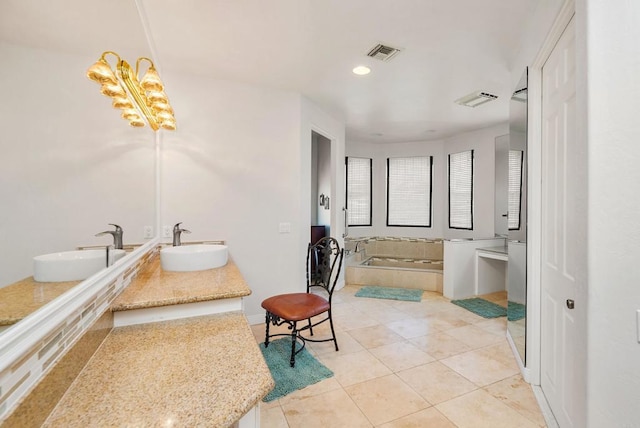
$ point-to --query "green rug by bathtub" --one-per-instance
(288, 379)
(484, 308)
(516, 311)
(390, 293)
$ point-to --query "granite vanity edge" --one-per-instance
(232, 286)
(176, 301)
(254, 391)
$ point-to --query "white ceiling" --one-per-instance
(449, 49)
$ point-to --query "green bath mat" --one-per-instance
(516, 311)
(307, 371)
(390, 293)
(484, 308)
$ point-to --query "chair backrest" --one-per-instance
(324, 261)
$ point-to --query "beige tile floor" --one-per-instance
(409, 364)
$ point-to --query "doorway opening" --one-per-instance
(322, 200)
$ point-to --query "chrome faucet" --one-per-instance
(117, 236)
(358, 246)
(176, 234)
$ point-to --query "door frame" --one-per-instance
(532, 372)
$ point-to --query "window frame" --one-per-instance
(346, 163)
(430, 218)
(471, 211)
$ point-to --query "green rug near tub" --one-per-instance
(390, 293)
(307, 371)
(484, 308)
(515, 311)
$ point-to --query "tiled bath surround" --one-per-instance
(396, 262)
(386, 246)
(28, 384)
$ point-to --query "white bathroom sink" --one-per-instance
(72, 265)
(189, 258)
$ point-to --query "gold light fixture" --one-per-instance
(136, 98)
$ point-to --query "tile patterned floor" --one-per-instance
(408, 364)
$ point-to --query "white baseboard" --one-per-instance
(255, 319)
(544, 407)
(172, 312)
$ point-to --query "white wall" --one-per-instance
(232, 171)
(613, 134)
(70, 164)
(238, 166)
(481, 141)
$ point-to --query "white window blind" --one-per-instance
(515, 188)
(409, 191)
(358, 191)
(461, 190)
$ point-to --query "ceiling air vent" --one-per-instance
(475, 99)
(383, 53)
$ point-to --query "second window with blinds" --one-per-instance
(409, 190)
(461, 190)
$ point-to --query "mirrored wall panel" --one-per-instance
(71, 165)
(517, 217)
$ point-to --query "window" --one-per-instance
(409, 191)
(461, 190)
(515, 188)
(358, 191)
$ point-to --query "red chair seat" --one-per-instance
(296, 306)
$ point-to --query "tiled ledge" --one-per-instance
(202, 371)
(398, 247)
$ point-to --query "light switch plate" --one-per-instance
(284, 228)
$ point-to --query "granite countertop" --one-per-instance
(201, 371)
(154, 287)
(26, 296)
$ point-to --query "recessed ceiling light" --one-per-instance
(361, 70)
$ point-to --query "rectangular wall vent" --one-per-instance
(475, 99)
(383, 53)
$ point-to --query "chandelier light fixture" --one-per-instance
(137, 98)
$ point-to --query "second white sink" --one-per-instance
(190, 258)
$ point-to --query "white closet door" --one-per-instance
(564, 255)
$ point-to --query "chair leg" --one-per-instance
(266, 334)
(310, 328)
(294, 335)
(335, 340)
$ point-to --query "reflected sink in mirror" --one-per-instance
(190, 258)
(72, 265)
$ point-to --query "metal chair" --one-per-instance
(324, 261)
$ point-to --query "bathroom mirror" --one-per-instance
(517, 218)
(70, 165)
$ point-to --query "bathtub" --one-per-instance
(423, 274)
